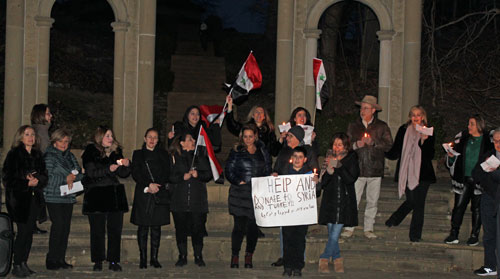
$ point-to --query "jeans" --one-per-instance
(332, 248)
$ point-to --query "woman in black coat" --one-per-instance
(189, 201)
(471, 144)
(150, 211)
(259, 117)
(191, 123)
(248, 159)
(24, 177)
(414, 171)
(338, 205)
(105, 201)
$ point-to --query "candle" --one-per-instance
(290, 160)
(314, 171)
(366, 135)
(119, 162)
(450, 144)
(284, 123)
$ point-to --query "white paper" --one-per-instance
(308, 130)
(490, 164)
(449, 149)
(285, 127)
(425, 130)
(285, 200)
(77, 187)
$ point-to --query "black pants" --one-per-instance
(113, 222)
(488, 215)
(461, 202)
(190, 223)
(294, 245)
(24, 237)
(244, 226)
(415, 201)
(60, 216)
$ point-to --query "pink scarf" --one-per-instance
(411, 156)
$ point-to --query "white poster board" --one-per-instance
(285, 200)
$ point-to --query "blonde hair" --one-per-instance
(60, 134)
(267, 119)
(422, 110)
(18, 136)
(99, 135)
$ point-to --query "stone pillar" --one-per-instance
(14, 51)
(44, 24)
(119, 79)
(284, 60)
(145, 96)
(312, 36)
(411, 59)
(384, 73)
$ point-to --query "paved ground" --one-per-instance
(222, 270)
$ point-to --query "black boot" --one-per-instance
(198, 260)
(476, 226)
(19, 271)
(25, 266)
(248, 260)
(142, 240)
(155, 246)
(182, 261)
(235, 261)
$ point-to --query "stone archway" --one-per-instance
(399, 58)
(27, 52)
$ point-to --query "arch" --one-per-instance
(378, 8)
(118, 6)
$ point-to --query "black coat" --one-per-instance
(283, 160)
(158, 161)
(489, 181)
(266, 135)
(190, 195)
(103, 192)
(18, 195)
(338, 205)
(426, 169)
(242, 166)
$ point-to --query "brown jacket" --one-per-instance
(371, 158)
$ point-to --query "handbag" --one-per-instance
(162, 197)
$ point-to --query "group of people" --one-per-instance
(173, 180)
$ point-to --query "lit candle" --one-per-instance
(314, 171)
(450, 144)
(366, 135)
(119, 162)
(284, 123)
(290, 160)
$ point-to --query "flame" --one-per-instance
(290, 160)
(284, 123)
(314, 171)
(366, 135)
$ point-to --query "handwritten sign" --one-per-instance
(285, 200)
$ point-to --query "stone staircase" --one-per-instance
(391, 251)
(198, 81)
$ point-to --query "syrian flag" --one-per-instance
(210, 113)
(248, 78)
(203, 140)
(319, 79)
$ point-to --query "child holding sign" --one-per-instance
(294, 237)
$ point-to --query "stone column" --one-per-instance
(284, 60)
(312, 36)
(411, 59)
(44, 24)
(384, 73)
(119, 78)
(147, 36)
(14, 51)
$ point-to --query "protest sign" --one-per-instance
(285, 200)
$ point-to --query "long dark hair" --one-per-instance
(249, 126)
(345, 140)
(294, 113)
(146, 134)
(185, 118)
(175, 146)
(38, 114)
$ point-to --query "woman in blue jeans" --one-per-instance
(338, 206)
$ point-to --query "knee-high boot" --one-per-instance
(142, 240)
(155, 246)
(476, 222)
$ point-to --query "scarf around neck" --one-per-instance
(411, 157)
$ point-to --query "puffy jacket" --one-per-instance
(103, 192)
(338, 205)
(371, 158)
(190, 195)
(18, 195)
(59, 165)
(242, 166)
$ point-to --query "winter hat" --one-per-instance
(298, 132)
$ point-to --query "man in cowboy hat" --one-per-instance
(371, 138)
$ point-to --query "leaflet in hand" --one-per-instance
(77, 187)
(284, 127)
(490, 164)
(447, 147)
(308, 130)
(425, 130)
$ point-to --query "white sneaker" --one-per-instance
(347, 233)
(485, 271)
(370, 235)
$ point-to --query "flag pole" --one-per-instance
(196, 147)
